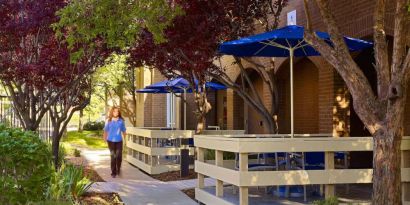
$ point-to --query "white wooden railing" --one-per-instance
(224, 173)
(156, 150)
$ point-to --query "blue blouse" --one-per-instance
(114, 129)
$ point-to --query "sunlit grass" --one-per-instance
(86, 139)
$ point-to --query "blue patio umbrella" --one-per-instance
(161, 90)
(181, 83)
(147, 90)
(178, 85)
(287, 41)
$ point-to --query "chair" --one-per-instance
(316, 161)
(262, 166)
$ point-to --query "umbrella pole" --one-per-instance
(291, 94)
(184, 108)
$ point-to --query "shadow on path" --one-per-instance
(136, 187)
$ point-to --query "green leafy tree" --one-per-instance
(117, 22)
(117, 81)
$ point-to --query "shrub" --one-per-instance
(68, 184)
(93, 126)
(77, 153)
(329, 201)
(25, 163)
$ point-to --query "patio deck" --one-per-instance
(246, 180)
(157, 150)
(356, 194)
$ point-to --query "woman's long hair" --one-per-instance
(111, 113)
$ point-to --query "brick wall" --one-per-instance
(333, 102)
(354, 17)
(155, 106)
(255, 122)
(306, 107)
(191, 108)
(235, 111)
(325, 94)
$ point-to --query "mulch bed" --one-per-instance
(92, 174)
(174, 176)
(92, 198)
(89, 172)
(190, 193)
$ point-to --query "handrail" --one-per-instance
(270, 135)
(243, 178)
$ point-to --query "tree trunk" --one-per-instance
(386, 168)
(201, 123)
(271, 125)
(55, 144)
(80, 121)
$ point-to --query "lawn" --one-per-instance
(88, 139)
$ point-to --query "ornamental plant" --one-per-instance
(25, 166)
(68, 183)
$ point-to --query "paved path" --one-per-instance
(136, 187)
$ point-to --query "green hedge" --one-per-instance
(93, 126)
(25, 164)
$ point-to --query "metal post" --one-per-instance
(184, 108)
(172, 111)
(291, 93)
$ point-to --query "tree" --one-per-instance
(188, 51)
(72, 83)
(24, 28)
(382, 112)
(118, 78)
(117, 22)
(192, 42)
(37, 70)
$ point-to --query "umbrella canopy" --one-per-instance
(287, 41)
(159, 90)
(180, 83)
(277, 43)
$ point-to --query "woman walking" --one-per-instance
(114, 132)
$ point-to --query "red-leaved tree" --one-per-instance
(37, 70)
(192, 42)
(24, 28)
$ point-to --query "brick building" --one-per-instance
(322, 101)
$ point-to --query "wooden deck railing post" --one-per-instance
(329, 164)
(243, 191)
(201, 158)
(219, 183)
(405, 163)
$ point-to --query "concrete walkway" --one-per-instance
(136, 187)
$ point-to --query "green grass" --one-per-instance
(88, 139)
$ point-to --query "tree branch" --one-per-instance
(399, 41)
(248, 80)
(370, 110)
(380, 50)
